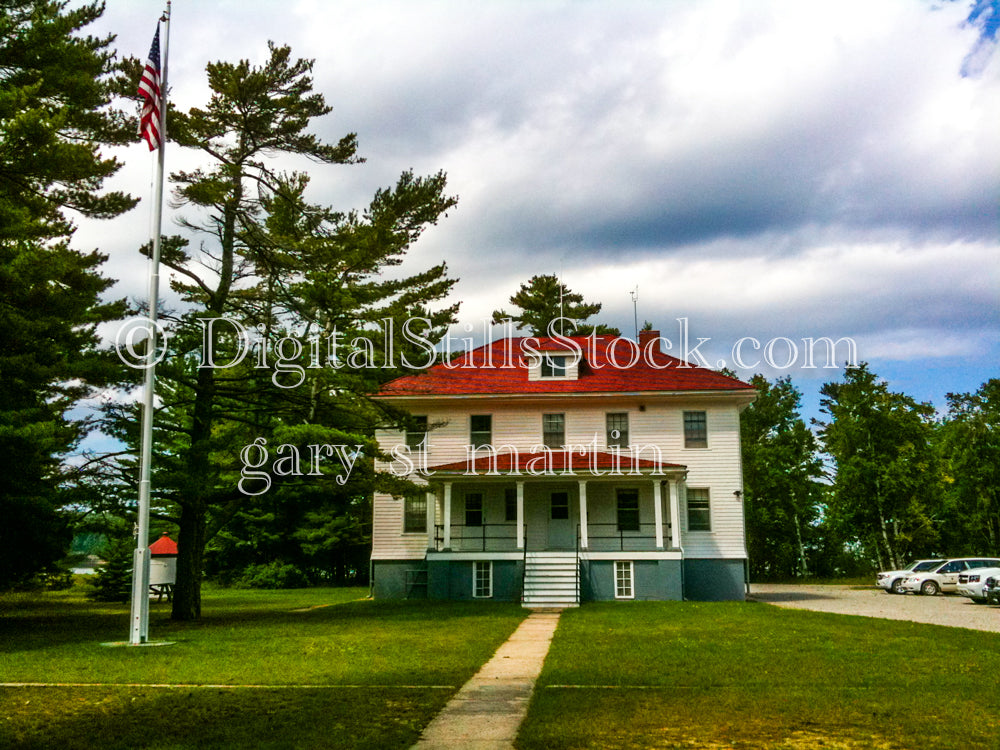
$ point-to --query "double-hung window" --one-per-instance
(474, 509)
(695, 429)
(699, 510)
(416, 435)
(559, 508)
(617, 429)
(481, 430)
(414, 514)
(554, 430)
(628, 510)
(510, 504)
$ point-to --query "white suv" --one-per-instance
(945, 576)
(972, 583)
(890, 580)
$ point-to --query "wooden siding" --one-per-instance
(656, 430)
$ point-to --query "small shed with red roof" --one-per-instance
(163, 561)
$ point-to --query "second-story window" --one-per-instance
(617, 429)
(481, 430)
(695, 429)
(553, 366)
(416, 434)
(554, 430)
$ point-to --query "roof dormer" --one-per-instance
(554, 365)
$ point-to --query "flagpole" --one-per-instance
(140, 570)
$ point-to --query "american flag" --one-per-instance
(149, 90)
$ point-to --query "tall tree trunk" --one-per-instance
(802, 549)
(190, 553)
(194, 512)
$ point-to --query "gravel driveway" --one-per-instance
(954, 611)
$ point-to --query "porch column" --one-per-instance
(583, 514)
(520, 515)
(658, 512)
(675, 516)
(447, 515)
(431, 531)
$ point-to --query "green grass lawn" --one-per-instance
(697, 675)
(619, 675)
(359, 656)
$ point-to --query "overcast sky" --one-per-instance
(764, 169)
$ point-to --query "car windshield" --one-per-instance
(926, 565)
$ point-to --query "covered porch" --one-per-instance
(556, 501)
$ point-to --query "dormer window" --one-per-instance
(553, 366)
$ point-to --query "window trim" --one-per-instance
(691, 437)
(707, 508)
(421, 444)
(618, 509)
(553, 366)
(412, 515)
(481, 510)
(560, 433)
(488, 567)
(623, 566)
(510, 502)
(622, 441)
(476, 444)
(552, 506)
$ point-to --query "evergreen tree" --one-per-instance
(55, 114)
(542, 300)
(287, 272)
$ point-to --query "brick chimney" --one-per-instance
(645, 337)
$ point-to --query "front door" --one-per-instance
(562, 534)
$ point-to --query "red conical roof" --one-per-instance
(163, 546)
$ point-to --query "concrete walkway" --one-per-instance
(486, 713)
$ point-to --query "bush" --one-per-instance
(113, 582)
(272, 575)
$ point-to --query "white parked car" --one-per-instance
(944, 578)
(890, 580)
(972, 583)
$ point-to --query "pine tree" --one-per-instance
(543, 300)
(55, 114)
(286, 271)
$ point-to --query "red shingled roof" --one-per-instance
(501, 367)
(560, 461)
(163, 546)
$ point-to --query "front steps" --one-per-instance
(551, 580)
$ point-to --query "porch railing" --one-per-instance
(492, 537)
(611, 537)
(502, 537)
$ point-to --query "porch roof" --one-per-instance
(561, 462)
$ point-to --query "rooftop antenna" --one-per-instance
(561, 321)
(634, 294)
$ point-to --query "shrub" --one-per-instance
(113, 582)
(272, 575)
